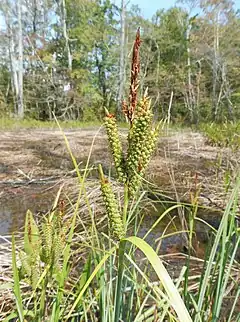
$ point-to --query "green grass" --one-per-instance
(222, 135)
(207, 302)
(16, 124)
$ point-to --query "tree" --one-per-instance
(19, 91)
(70, 58)
(122, 63)
(216, 43)
(167, 67)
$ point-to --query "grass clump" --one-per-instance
(16, 124)
(223, 135)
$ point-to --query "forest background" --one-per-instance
(71, 58)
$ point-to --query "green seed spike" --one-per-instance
(35, 273)
(112, 209)
(25, 265)
(115, 145)
(57, 249)
(58, 220)
(148, 147)
(134, 184)
(47, 232)
(142, 141)
(138, 142)
(141, 126)
(31, 234)
(66, 227)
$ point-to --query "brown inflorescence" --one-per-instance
(135, 70)
(142, 140)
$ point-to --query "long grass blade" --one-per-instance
(16, 287)
(174, 297)
(214, 250)
(94, 273)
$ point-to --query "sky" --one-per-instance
(149, 7)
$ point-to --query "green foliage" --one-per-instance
(207, 303)
(223, 135)
(15, 124)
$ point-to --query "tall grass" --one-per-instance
(223, 135)
(220, 266)
(28, 123)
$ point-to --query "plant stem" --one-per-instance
(100, 170)
(125, 207)
(43, 299)
(118, 293)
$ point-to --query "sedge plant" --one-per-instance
(45, 262)
(130, 169)
(42, 269)
(44, 266)
(41, 263)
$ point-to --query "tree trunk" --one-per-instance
(20, 107)
(227, 93)
(215, 103)
(122, 59)
(191, 92)
(13, 66)
(65, 34)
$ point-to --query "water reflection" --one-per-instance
(15, 203)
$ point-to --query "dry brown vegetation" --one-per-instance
(182, 165)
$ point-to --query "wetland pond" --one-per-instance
(34, 163)
(165, 235)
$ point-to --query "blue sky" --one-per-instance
(149, 7)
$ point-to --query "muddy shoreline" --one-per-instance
(34, 163)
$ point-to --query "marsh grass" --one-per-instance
(219, 278)
(28, 123)
(85, 290)
(223, 135)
